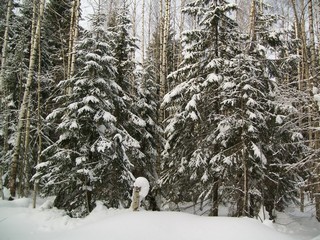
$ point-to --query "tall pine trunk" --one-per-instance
(24, 105)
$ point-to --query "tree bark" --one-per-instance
(3, 93)
(74, 21)
(71, 34)
(181, 29)
(39, 125)
(5, 47)
(142, 32)
(245, 210)
(1, 183)
(24, 105)
(311, 82)
(215, 198)
(24, 178)
(163, 66)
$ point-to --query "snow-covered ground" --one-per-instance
(19, 221)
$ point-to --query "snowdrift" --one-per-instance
(18, 221)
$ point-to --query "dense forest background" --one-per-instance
(214, 102)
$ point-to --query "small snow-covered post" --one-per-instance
(135, 198)
(140, 191)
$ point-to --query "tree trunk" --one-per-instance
(252, 29)
(71, 41)
(245, 209)
(181, 29)
(39, 125)
(311, 82)
(23, 108)
(312, 45)
(74, 37)
(5, 47)
(215, 198)
(1, 183)
(25, 170)
(143, 33)
(3, 92)
(74, 20)
(163, 66)
(302, 199)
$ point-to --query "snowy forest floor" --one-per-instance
(19, 221)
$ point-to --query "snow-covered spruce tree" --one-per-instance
(136, 111)
(151, 140)
(230, 135)
(89, 160)
(55, 38)
(286, 145)
(191, 172)
(260, 130)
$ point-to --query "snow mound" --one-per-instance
(18, 221)
(143, 183)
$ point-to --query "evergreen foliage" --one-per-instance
(221, 135)
(92, 143)
(240, 125)
(56, 28)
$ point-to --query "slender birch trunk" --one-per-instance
(24, 105)
(1, 183)
(39, 126)
(5, 47)
(181, 29)
(163, 66)
(24, 181)
(149, 22)
(305, 65)
(3, 94)
(24, 176)
(312, 45)
(161, 24)
(252, 30)
(312, 81)
(298, 34)
(73, 34)
(74, 37)
(134, 24)
(306, 74)
(143, 34)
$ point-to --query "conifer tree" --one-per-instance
(224, 132)
(55, 38)
(139, 114)
(195, 106)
